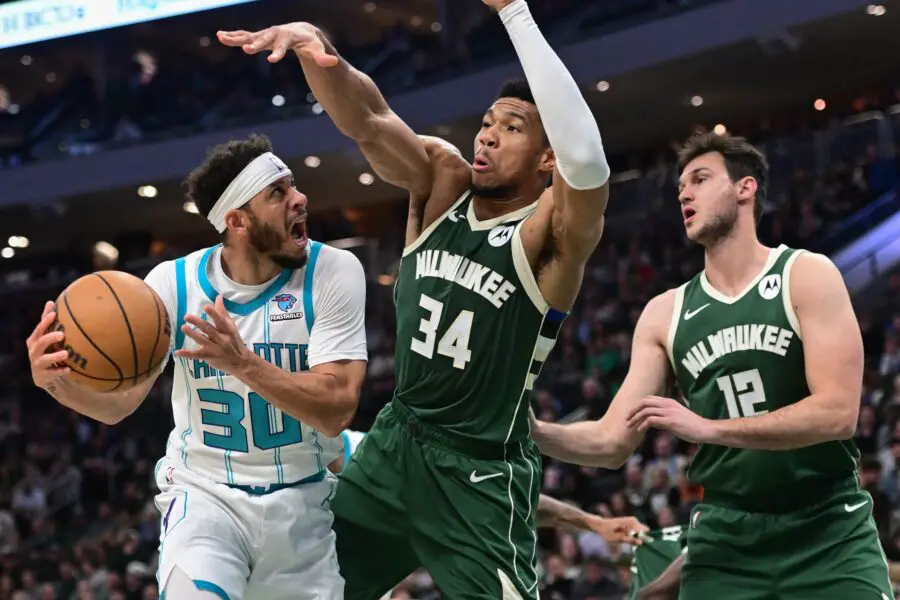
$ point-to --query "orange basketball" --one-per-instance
(117, 330)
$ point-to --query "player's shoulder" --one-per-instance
(336, 262)
(807, 271)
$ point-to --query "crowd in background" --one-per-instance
(77, 519)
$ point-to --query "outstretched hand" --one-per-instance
(302, 38)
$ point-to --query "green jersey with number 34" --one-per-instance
(743, 356)
(472, 328)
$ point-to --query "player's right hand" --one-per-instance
(302, 38)
(45, 368)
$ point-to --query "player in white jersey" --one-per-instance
(270, 353)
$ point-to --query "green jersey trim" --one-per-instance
(476, 225)
(525, 273)
(430, 229)
(725, 299)
(789, 311)
(673, 324)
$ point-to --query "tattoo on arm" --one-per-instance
(553, 513)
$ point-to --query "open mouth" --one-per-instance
(480, 164)
(688, 213)
(298, 233)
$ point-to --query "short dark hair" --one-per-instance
(223, 163)
(742, 159)
(516, 88)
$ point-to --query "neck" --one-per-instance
(732, 262)
(247, 268)
(487, 208)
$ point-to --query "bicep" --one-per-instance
(347, 374)
(579, 214)
(832, 341)
(396, 154)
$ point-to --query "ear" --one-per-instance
(547, 160)
(237, 219)
(746, 189)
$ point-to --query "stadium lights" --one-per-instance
(436, 27)
(819, 104)
(720, 129)
(697, 101)
(50, 77)
(107, 250)
(278, 100)
(147, 191)
(204, 41)
(369, 7)
(7, 252)
(416, 21)
(312, 161)
(190, 207)
(875, 10)
(13, 109)
(26, 59)
(366, 179)
(602, 86)
(18, 241)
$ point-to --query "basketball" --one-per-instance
(116, 331)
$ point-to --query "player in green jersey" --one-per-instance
(768, 354)
(449, 477)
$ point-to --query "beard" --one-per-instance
(490, 191)
(719, 227)
(268, 241)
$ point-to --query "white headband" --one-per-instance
(254, 178)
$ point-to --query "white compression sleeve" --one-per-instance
(570, 126)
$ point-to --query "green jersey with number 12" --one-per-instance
(472, 328)
(743, 356)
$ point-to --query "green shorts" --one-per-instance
(829, 551)
(412, 497)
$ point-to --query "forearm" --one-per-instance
(109, 408)
(349, 96)
(568, 121)
(553, 513)
(585, 443)
(811, 421)
(316, 399)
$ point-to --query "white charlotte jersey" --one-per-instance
(226, 432)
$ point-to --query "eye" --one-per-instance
(513, 128)
(485, 124)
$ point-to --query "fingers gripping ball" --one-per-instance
(116, 331)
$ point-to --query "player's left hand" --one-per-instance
(671, 415)
(219, 343)
(498, 5)
(618, 530)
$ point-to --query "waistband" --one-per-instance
(433, 435)
(785, 501)
(262, 490)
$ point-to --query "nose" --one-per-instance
(487, 137)
(685, 195)
(298, 200)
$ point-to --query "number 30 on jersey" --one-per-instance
(453, 343)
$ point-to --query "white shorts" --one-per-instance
(214, 533)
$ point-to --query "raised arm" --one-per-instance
(351, 99)
(833, 350)
(609, 442)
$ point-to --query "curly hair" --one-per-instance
(223, 163)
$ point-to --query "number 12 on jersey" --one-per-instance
(454, 342)
(744, 394)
